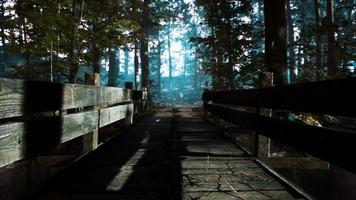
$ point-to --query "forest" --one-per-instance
(174, 48)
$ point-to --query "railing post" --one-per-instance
(129, 119)
(263, 146)
(90, 140)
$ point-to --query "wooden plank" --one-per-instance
(327, 97)
(22, 139)
(75, 96)
(113, 95)
(11, 143)
(11, 98)
(113, 114)
(78, 124)
(19, 97)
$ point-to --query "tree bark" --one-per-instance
(170, 65)
(275, 41)
(332, 69)
(318, 40)
(230, 69)
(126, 63)
(159, 67)
(144, 52)
(3, 40)
(114, 67)
(136, 65)
(73, 53)
(292, 74)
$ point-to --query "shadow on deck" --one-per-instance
(174, 154)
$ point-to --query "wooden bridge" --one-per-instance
(63, 141)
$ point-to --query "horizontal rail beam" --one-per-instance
(332, 145)
(19, 98)
(324, 97)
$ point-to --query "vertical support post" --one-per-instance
(144, 98)
(129, 119)
(90, 140)
(264, 143)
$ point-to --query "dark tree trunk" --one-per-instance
(3, 40)
(144, 44)
(304, 42)
(73, 53)
(136, 65)
(230, 69)
(170, 65)
(292, 75)
(159, 67)
(332, 69)
(27, 51)
(275, 41)
(114, 67)
(126, 63)
(96, 58)
(318, 40)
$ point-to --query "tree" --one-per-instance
(144, 52)
(318, 68)
(332, 69)
(275, 30)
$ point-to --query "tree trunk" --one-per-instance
(27, 51)
(306, 70)
(114, 67)
(159, 67)
(170, 65)
(230, 69)
(275, 41)
(73, 53)
(136, 65)
(144, 52)
(3, 40)
(332, 69)
(126, 63)
(318, 40)
(96, 56)
(292, 74)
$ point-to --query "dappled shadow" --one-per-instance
(134, 165)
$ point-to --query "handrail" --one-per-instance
(326, 97)
(38, 116)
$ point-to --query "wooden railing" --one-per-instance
(246, 109)
(35, 117)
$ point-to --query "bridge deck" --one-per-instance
(174, 154)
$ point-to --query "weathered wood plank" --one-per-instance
(11, 98)
(11, 143)
(78, 124)
(113, 114)
(112, 95)
(19, 140)
(75, 96)
(19, 97)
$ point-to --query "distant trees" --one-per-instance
(223, 49)
(309, 45)
(67, 33)
(225, 39)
